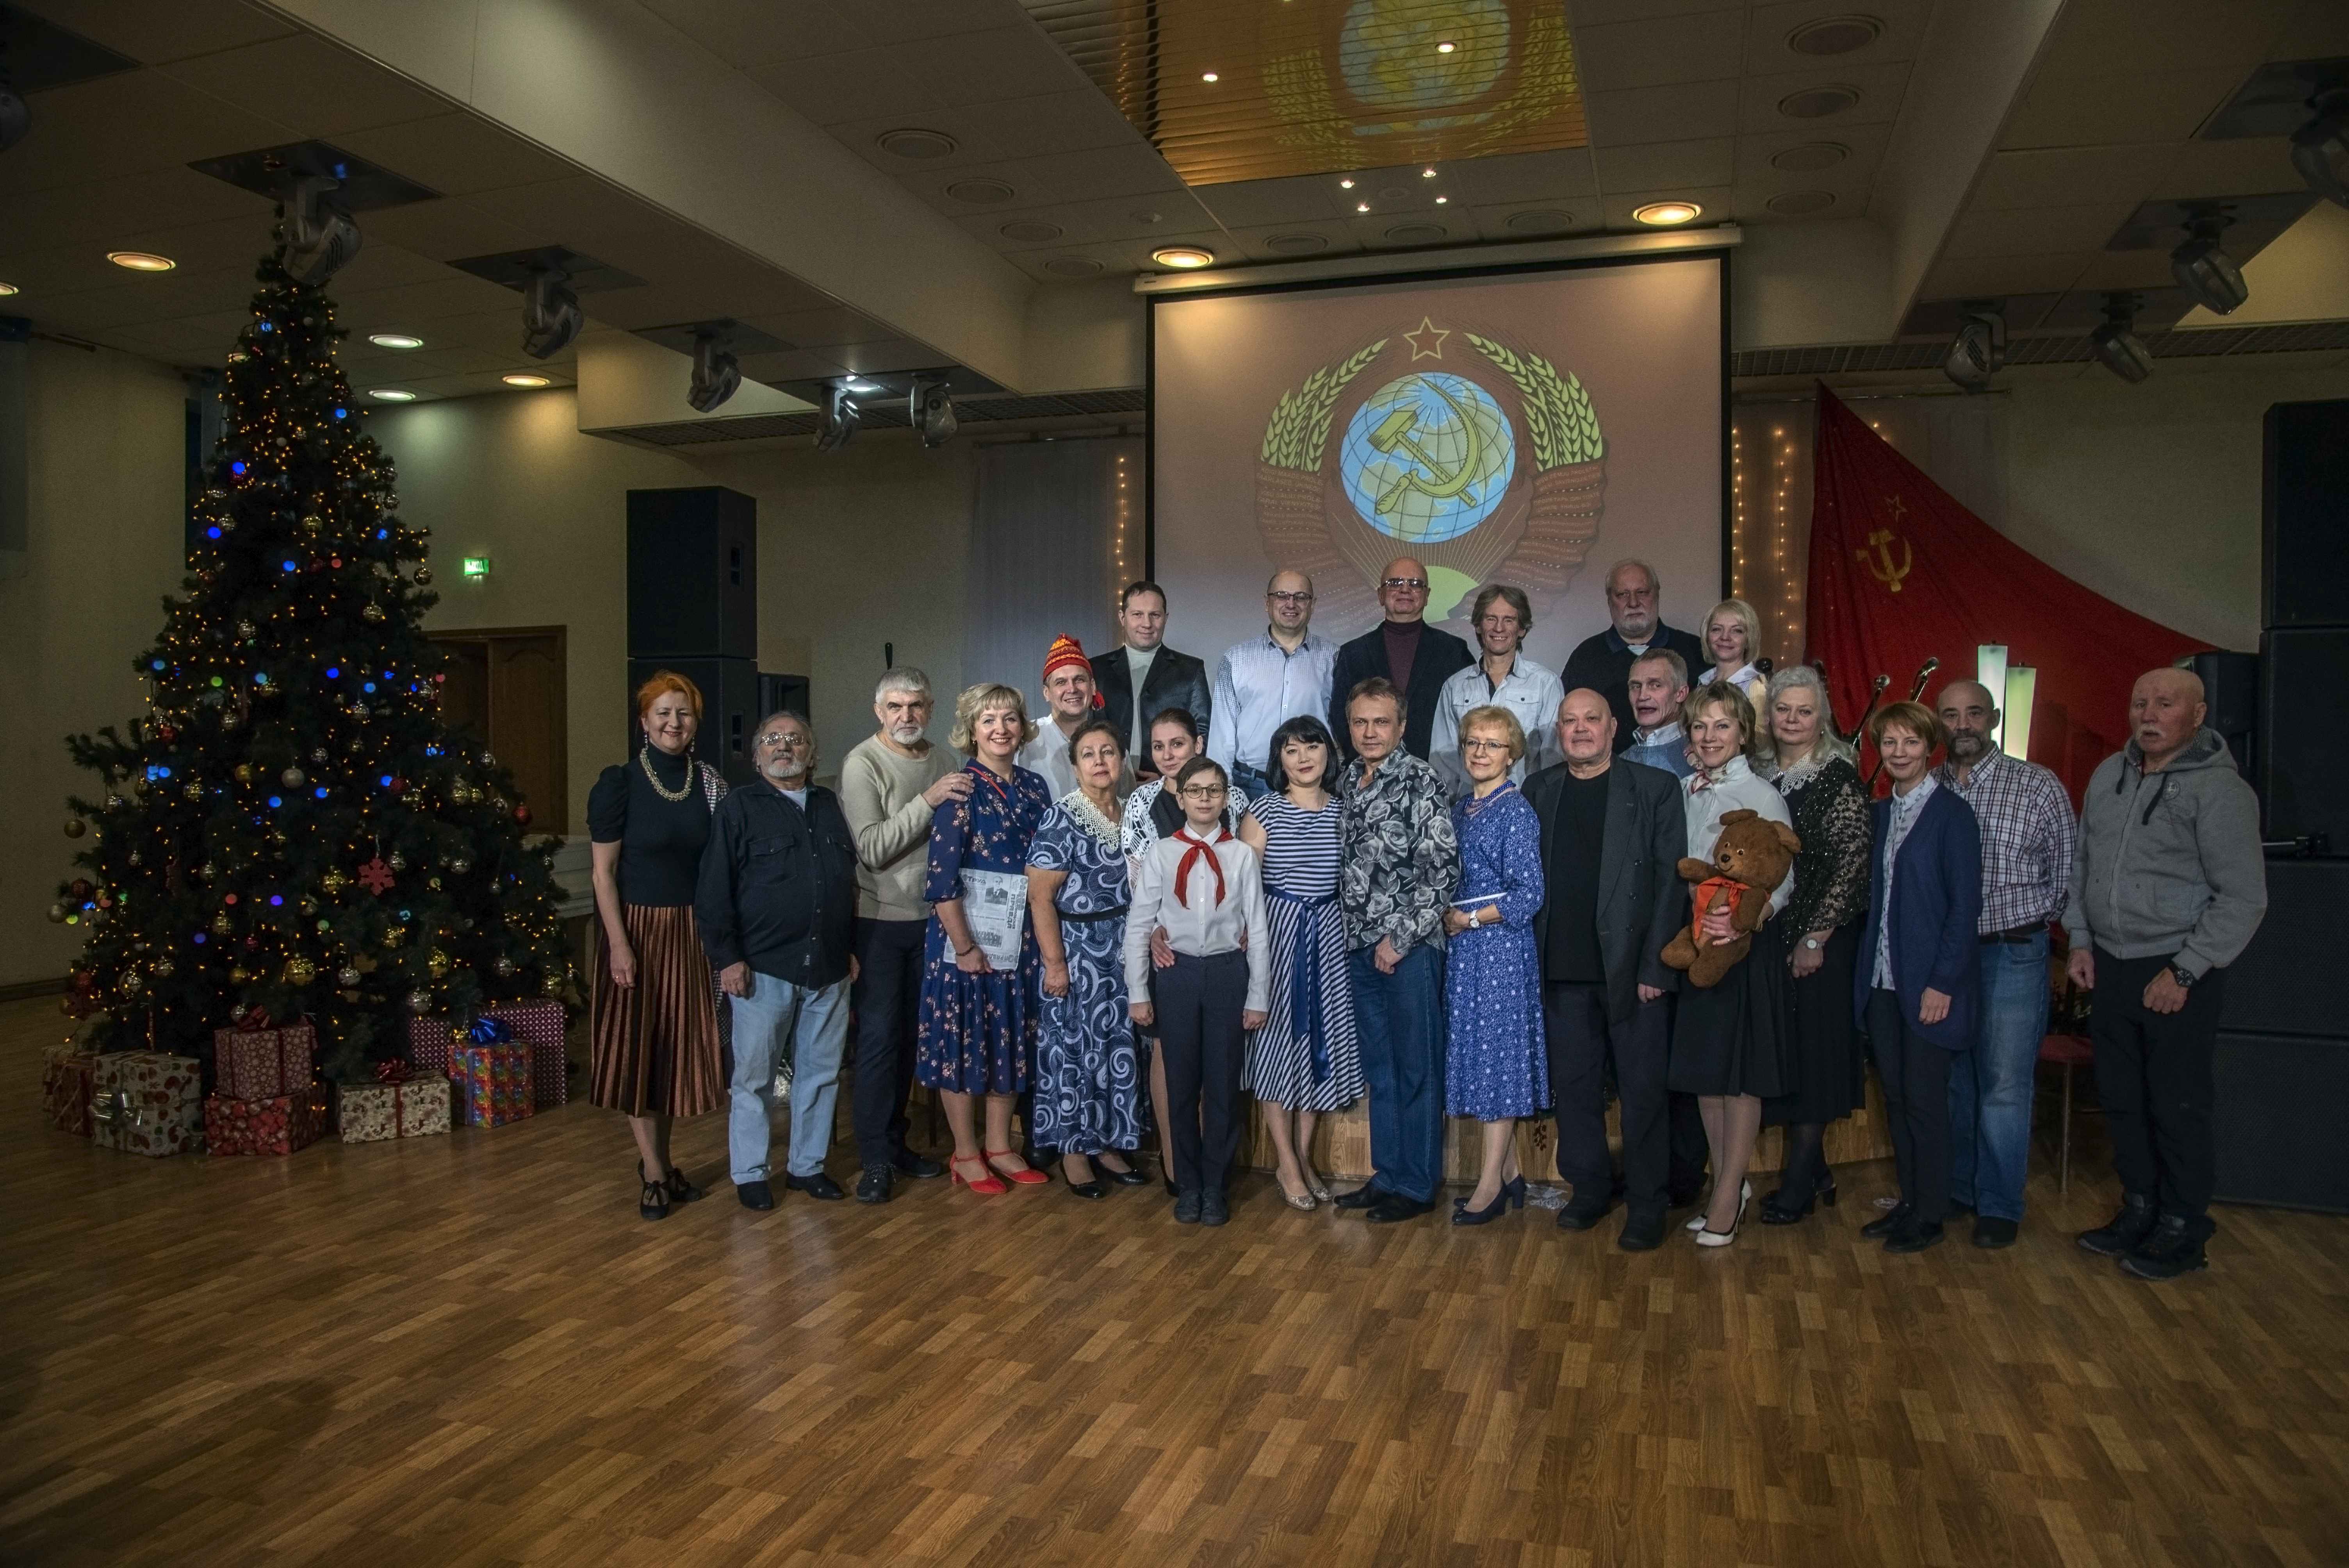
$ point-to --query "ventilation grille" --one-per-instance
(2203, 344)
(890, 415)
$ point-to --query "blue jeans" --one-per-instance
(1991, 1087)
(1250, 779)
(811, 1023)
(1399, 1020)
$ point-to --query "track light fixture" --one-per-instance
(717, 375)
(839, 422)
(2320, 149)
(1979, 351)
(550, 314)
(2116, 345)
(320, 238)
(933, 412)
(2204, 270)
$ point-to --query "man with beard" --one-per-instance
(1635, 601)
(2027, 834)
(890, 787)
(776, 908)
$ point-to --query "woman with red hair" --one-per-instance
(653, 1011)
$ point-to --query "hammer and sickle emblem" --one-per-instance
(1877, 558)
(1393, 434)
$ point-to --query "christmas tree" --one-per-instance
(290, 827)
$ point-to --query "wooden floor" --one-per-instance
(469, 1350)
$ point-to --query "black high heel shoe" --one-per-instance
(1826, 1192)
(1512, 1195)
(1129, 1177)
(681, 1191)
(1774, 1212)
(652, 1202)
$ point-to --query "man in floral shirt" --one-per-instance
(1402, 863)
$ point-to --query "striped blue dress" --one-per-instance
(1306, 1057)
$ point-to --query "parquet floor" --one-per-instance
(469, 1350)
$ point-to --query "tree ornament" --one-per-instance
(300, 971)
(333, 881)
(358, 710)
(310, 524)
(318, 754)
(242, 773)
(134, 858)
(393, 935)
(522, 816)
(419, 1002)
(294, 778)
(348, 978)
(432, 882)
(56, 914)
(553, 984)
(222, 924)
(192, 790)
(245, 628)
(436, 962)
(206, 872)
(76, 827)
(163, 967)
(460, 864)
(423, 576)
(78, 887)
(239, 975)
(399, 862)
(488, 759)
(374, 612)
(504, 966)
(131, 984)
(114, 802)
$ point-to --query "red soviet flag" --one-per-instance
(1902, 573)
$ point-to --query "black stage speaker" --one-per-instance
(693, 574)
(785, 694)
(2230, 685)
(2277, 984)
(2304, 740)
(730, 707)
(2276, 1123)
(2306, 515)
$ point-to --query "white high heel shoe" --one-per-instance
(1745, 1192)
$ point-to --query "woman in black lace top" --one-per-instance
(1823, 795)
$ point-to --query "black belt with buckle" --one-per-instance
(1067, 918)
(2013, 937)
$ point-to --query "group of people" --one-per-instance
(1440, 876)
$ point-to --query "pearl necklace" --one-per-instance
(645, 760)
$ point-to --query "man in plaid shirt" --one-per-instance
(2027, 836)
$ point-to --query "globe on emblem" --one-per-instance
(1427, 458)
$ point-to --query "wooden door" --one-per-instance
(506, 687)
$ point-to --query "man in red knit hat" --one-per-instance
(1070, 698)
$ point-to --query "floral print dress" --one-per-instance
(977, 1032)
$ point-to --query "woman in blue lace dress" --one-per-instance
(1086, 1101)
(1498, 1067)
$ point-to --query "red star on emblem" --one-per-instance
(1427, 343)
(376, 874)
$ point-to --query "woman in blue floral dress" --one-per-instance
(1496, 1068)
(978, 1025)
(1087, 1098)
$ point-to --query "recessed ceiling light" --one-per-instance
(395, 340)
(1427, 174)
(981, 192)
(1835, 34)
(1801, 203)
(1345, 184)
(1361, 206)
(1185, 257)
(523, 378)
(7, 289)
(915, 143)
(1440, 201)
(1207, 76)
(390, 395)
(1445, 48)
(1030, 231)
(1810, 157)
(1817, 103)
(141, 260)
(1666, 212)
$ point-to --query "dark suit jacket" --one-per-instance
(1936, 900)
(1604, 664)
(1641, 900)
(1176, 680)
(1440, 654)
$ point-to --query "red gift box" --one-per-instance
(65, 1085)
(145, 1102)
(278, 1125)
(260, 1060)
(491, 1084)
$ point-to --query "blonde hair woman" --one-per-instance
(1733, 641)
(979, 1018)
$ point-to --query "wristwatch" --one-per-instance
(1812, 943)
(2185, 981)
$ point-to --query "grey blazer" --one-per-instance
(1641, 900)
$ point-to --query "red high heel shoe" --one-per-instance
(1026, 1176)
(988, 1185)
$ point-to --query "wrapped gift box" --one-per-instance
(491, 1084)
(278, 1125)
(539, 1026)
(65, 1083)
(260, 1060)
(431, 1042)
(414, 1107)
(144, 1102)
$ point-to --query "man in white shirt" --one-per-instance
(1266, 681)
(1144, 678)
(1501, 678)
(1069, 699)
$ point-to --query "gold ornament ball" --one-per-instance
(348, 978)
(504, 966)
(334, 881)
(238, 976)
(419, 1002)
(432, 882)
(192, 790)
(300, 971)
(131, 984)
(76, 827)
(311, 523)
(375, 613)
(438, 962)
(395, 935)
(294, 778)
(243, 773)
(162, 969)
(221, 925)
(551, 985)
(396, 861)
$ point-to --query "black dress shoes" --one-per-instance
(1642, 1232)
(816, 1186)
(1363, 1197)
(1915, 1237)
(1129, 1177)
(1187, 1209)
(1093, 1189)
(755, 1194)
(1992, 1232)
(872, 1186)
(1215, 1209)
(1394, 1208)
(1893, 1219)
(920, 1167)
(1581, 1215)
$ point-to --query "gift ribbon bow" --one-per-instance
(394, 1073)
(255, 1019)
(489, 1031)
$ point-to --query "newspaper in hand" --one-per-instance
(995, 906)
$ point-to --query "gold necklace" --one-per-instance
(645, 760)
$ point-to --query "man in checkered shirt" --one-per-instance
(2027, 838)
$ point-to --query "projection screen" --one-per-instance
(1529, 427)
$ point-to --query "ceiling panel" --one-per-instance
(1658, 164)
(309, 84)
(1655, 51)
(2086, 111)
(1258, 244)
(130, 123)
(97, 215)
(747, 33)
(1992, 276)
(456, 154)
(2035, 231)
(1304, 198)
(2141, 38)
(1767, 26)
(1538, 219)
(448, 230)
(1527, 177)
(2067, 177)
(155, 31)
(2253, 165)
(1681, 111)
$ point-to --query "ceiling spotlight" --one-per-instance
(2116, 345)
(933, 412)
(141, 260)
(1361, 206)
(1664, 214)
(1184, 258)
(522, 378)
(1445, 48)
(1427, 174)
(1207, 77)
(550, 314)
(395, 340)
(390, 395)
(7, 289)
(2320, 149)
(837, 424)
(15, 119)
(1345, 184)
(320, 238)
(2205, 271)
(1979, 351)
(717, 373)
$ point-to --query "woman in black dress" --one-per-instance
(653, 1012)
(1815, 773)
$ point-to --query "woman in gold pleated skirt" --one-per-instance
(656, 1029)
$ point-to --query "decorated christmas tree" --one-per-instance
(290, 827)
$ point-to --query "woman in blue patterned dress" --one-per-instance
(1497, 1069)
(977, 1023)
(1305, 1060)
(1087, 1076)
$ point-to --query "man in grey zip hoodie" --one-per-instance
(2167, 888)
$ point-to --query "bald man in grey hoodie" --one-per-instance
(2166, 888)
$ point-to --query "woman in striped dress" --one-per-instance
(1305, 1060)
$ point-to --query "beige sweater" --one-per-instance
(881, 793)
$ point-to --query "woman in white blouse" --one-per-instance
(1731, 1040)
(1203, 888)
(1733, 640)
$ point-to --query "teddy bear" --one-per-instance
(1750, 859)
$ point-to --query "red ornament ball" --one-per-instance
(398, 786)
(78, 887)
(522, 816)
